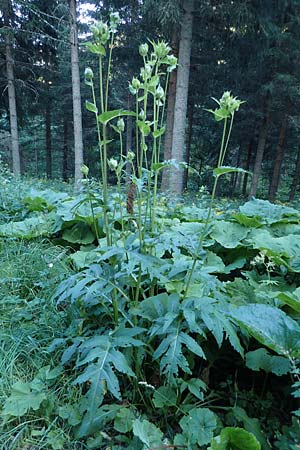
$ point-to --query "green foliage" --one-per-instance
(235, 439)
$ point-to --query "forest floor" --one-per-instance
(124, 346)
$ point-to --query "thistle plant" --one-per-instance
(150, 90)
(227, 106)
(103, 41)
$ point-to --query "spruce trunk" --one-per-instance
(182, 87)
(278, 160)
(296, 178)
(170, 119)
(77, 114)
(14, 135)
(262, 139)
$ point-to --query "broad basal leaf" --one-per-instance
(235, 439)
(23, 398)
(229, 234)
(261, 359)
(268, 212)
(271, 327)
(149, 434)
(199, 426)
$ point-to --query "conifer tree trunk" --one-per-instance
(296, 178)
(48, 138)
(65, 148)
(170, 117)
(260, 148)
(15, 150)
(278, 160)
(247, 167)
(188, 142)
(182, 86)
(77, 114)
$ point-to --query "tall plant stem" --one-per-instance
(222, 153)
(108, 71)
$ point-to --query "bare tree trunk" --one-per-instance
(65, 148)
(48, 138)
(15, 150)
(188, 142)
(261, 148)
(296, 178)
(182, 86)
(234, 175)
(247, 167)
(278, 160)
(170, 117)
(77, 115)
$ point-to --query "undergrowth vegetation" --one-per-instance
(147, 325)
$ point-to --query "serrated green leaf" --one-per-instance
(23, 398)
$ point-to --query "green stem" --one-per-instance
(222, 153)
(108, 70)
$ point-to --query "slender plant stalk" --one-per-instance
(222, 153)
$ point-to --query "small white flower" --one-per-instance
(50, 265)
(144, 383)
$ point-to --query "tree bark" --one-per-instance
(247, 167)
(188, 142)
(278, 160)
(77, 114)
(182, 86)
(261, 148)
(65, 148)
(296, 178)
(14, 135)
(48, 138)
(170, 117)
(234, 175)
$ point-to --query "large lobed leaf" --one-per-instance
(271, 327)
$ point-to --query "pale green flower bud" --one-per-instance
(84, 170)
(114, 20)
(136, 84)
(161, 49)
(103, 31)
(146, 72)
(143, 49)
(121, 125)
(88, 74)
(130, 156)
(112, 164)
(95, 30)
(159, 93)
(142, 114)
